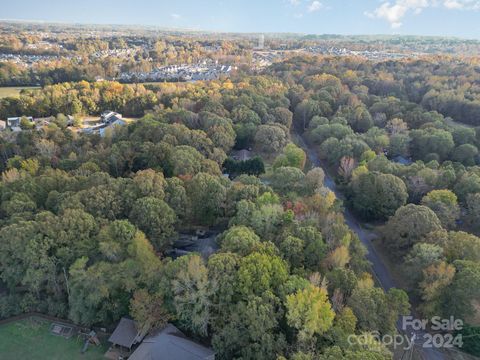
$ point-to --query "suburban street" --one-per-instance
(379, 270)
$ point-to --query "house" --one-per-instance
(70, 120)
(108, 116)
(402, 160)
(14, 122)
(111, 125)
(170, 343)
(241, 155)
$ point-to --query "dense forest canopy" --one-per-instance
(88, 222)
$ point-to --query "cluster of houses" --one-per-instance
(108, 119)
(27, 60)
(15, 123)
(166, 343)
(264, 58)
(117, 53)
(201, 71)
(368, 54)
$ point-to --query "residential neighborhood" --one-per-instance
(206, 70)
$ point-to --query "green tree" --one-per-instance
(148, 311)
(377, 196)
(408, 226)
(466, 154)
(259, 273)
(206, 195)
(292, 155)
(156, 219)
(192, 295)
(377, 310)
(271, 138)
(420, 257)
(240, 240)
(286, 179)
(309, 312)
(444, 203)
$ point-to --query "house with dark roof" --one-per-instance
(241, 155)
(168, 343)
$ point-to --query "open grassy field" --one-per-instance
(31, 339)
(13, 91)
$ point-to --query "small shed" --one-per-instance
(125, 334)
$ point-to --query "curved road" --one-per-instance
(380, 271)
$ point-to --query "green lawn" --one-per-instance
(13, 91)
(31, 339)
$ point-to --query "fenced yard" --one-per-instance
(34, 338)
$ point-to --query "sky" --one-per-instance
(460, 18)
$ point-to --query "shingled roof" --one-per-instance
(125, 334)
(170, 343)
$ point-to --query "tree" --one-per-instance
(409, 225)
(271, 138)
(361, 120)
(464, 290)
(444, 203)
(377, 196)
(462, 246)
(285, 179)
(313, 180)
(292, 156)
(420, 257)
(341, 279)
(466, 154)
(206, 195)
(149, 183)
(377, 310)
(305, 111)
(470, 335)
(469, 183)
(326, 131)
(283, 116)
(293, 250)
(148, 311)
(399, 145)
(115, 238)
(473, 210)
(252, 330)
(431, 141)
(222, 275)
(192, 295)
(259, 273)
(240, 240)
(338, 257)
(309, 312)
(188, 161)
(156, 219)
(436, 278)
(346, 167)
(176, 196)
(396, 126)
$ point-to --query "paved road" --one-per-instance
(380, 271)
